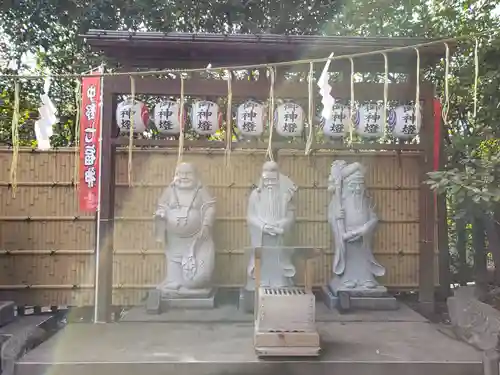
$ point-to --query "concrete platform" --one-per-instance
(348, 348)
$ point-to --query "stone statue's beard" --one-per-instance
(270, 204)
(185, 185)
(357, 198)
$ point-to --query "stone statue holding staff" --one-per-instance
(353, 223)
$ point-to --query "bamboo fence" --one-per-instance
(47, 247)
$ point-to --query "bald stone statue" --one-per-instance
(184, 220)
(270, 218)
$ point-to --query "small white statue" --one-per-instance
(353, 223)
(184, 219)
(270, 218)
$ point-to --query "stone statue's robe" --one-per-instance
(277, 269)
(190, 254)
(354, 261)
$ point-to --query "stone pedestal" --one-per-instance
(364, 299)
(158, 302)
(247, 300)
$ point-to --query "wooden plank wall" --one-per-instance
(47, 249)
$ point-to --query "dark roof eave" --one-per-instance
(103, 38)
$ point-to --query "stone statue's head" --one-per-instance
(335, 174)
(354, 179)
(270, 174)
(186, 176)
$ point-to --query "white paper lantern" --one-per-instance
(403, 122)
(205, 117)
(289, 120)
(337, 125)
(125, 112)
(167, 117)
(250, 118)
(369, 121)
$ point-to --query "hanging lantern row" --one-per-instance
(368, 121)
(206, 117)
(289, 117)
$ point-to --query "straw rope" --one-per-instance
(181, 120)
(131, 130)
(270, 115)
(476, 75)
(78, 103)
(417, 91)
(15, 140)
(446, 106)
(15, 119)
(229, 118)
(353, 105)
(267, 65)
(310, 113)
(386, 94)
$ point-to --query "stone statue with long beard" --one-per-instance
(270, 218)
(353, 222)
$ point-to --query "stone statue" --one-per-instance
(353, 223)
(184, 220)
(473, 321)
(476, 323)
(270, 217)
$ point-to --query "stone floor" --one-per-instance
(375, 343)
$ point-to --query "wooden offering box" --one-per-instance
(285, 317)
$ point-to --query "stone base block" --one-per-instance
(380, 291)
(157, 303)
(337, 287)
(247, 300)
(7, 312)
(153, 302)
(187, 293)
(357, 300)
(207, 302)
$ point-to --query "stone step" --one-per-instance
(7, 312)
(22, 335)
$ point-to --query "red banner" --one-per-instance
(90, 131)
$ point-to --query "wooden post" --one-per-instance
(427, 213)
(258, 257)
(443, 246)
(307, 275)
(104, 257)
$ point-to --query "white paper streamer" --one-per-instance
(325, 91)
(48, 112)
(43, 132)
